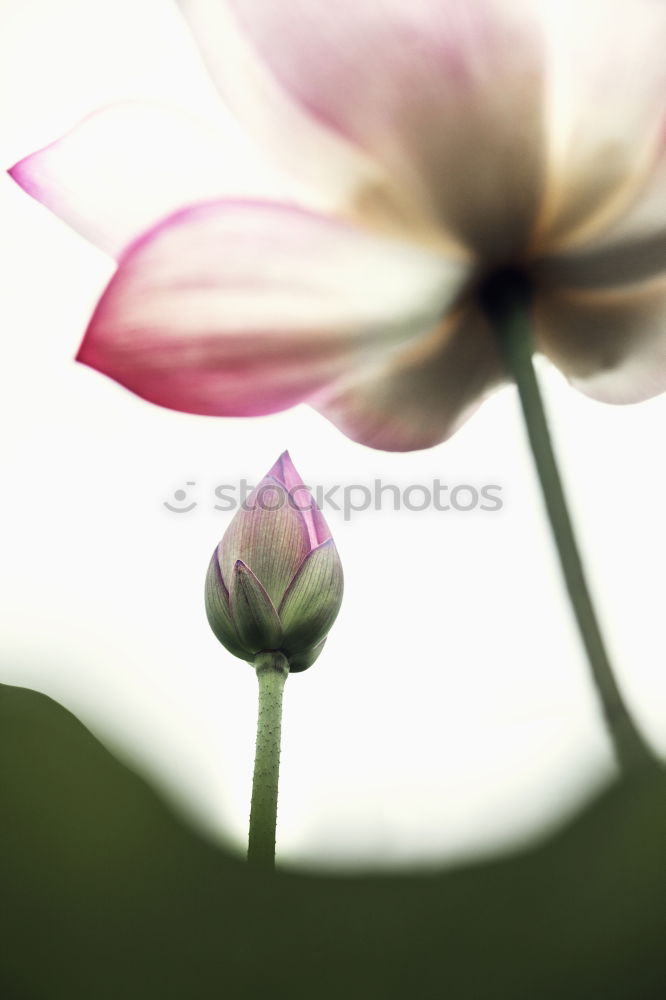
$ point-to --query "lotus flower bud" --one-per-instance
(275, 579)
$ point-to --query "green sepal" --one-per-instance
(312, 600)
(253, 612)
(301, 661)
(218, 612)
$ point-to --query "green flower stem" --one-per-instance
(272, 669)
(507, 302)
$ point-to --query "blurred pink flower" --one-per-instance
(455, 137)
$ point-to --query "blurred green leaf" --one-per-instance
(106, 894)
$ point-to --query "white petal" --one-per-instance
(445, 96)
(606, 102)
(612, 344)
(128, 166)
(339, 174)
(419, 395)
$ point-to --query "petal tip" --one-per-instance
(90, 357)
(21, 175)
(285, 471)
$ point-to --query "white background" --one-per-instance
(451, 711)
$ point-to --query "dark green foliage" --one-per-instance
(105, 894)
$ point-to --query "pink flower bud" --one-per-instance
(275, 580)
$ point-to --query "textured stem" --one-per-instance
(507, 302)
(272, 669)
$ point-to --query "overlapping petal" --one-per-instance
(128, 166)
(236, 308)
(301, 661)
(253, 611)
(605, 115)
(610, 343)
(337, 169)
(492, 109)
(418, 396)
(312, 600)
(445, 96)
(527, 132)
(218, 612)
(639, 229)
(285, 472)
(269, 535)
(270, 585)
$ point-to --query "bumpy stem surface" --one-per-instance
(272, 669)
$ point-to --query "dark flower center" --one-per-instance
(503, 290)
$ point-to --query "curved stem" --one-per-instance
(272, 669)
(507, 303)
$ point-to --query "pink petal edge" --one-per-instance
(243, 307)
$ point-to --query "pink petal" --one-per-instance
(237, 308)
(610, 344)
(269, 536)
(339, 172)
(445, 96)
(285, 472)
(422, 393)
(128, 166)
